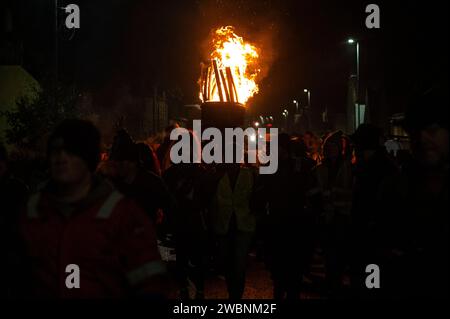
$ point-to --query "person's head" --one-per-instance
(427, 123)
(147, 158)
(367, 139)
(308, 135)
(332, 146)
(185, 151)
(124, 153)
(168, 129)
(73, 151)
(3, 161)
(284, 146)
(298, 148)
(307, 138)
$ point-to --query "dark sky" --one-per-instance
(144, 43)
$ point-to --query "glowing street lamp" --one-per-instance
(296, 105)
(309, 96)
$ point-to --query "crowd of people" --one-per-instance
(344, 198)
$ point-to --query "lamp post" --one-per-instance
(309, 96)
(296, 106)
(353, 41)
(285, 115)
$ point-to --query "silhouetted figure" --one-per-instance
(14, 266)
(416, 207)
(316, 150)
(233, 222)
(133, 180)
(148, 159)
(163, 151)
(80, 219)
(290, 231)
(335, 180)
(307, 140)
(373, 165)
(186, 183)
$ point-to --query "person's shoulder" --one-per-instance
(127, 214)
(124, 207)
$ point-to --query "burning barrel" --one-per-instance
(227, 80)
(222, 115)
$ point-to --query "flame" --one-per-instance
(238, 83)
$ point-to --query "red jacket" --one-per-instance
(107, 235)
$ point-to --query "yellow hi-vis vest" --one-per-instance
(226, 201)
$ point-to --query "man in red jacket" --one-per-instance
(84, 238)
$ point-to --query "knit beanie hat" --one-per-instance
(78, 137)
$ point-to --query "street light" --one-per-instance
(309, 96)
(285, 115)
(296, 106)
(352, 41)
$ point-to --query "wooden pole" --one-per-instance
(217, 76)
(236, 96)
(207, 84)
(231, 87)
(203, 82)
(225, 86)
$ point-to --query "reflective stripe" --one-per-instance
(32, 204)
(109, 204)
(146, 271)
(313, 191)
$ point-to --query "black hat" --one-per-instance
(77, 137)
(124, 148)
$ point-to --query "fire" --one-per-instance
(231, 75)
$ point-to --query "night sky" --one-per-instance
(146, 43)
